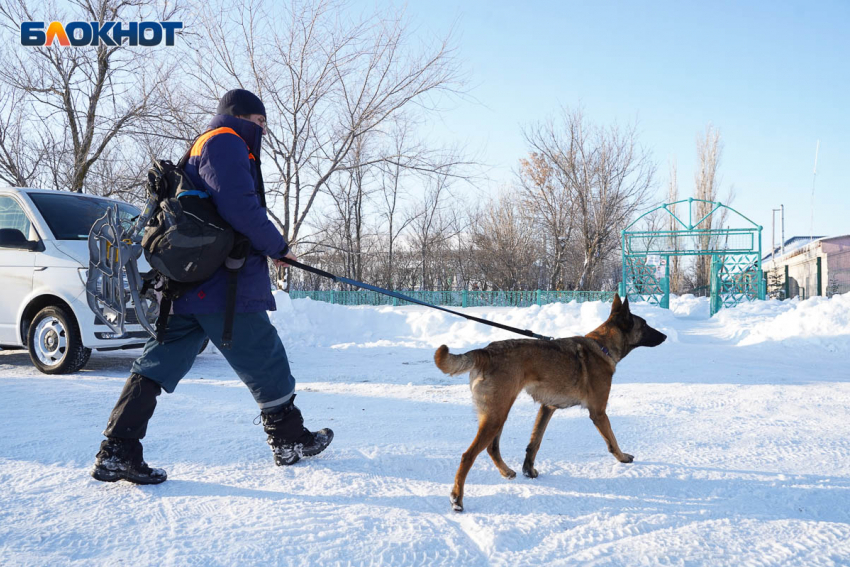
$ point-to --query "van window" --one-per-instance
(71, 216)
(12, 215)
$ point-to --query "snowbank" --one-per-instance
(819, 320)
(690, 307)
(313, 323)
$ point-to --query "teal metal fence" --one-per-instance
(456, 298)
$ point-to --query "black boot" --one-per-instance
(122, 459)
(288, 437)
(120, 456)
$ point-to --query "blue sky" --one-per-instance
(774, 77)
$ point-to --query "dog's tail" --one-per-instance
(460, 363)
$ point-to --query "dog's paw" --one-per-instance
(627, 458)
(530, 472)
(457, 505)
(509, 474)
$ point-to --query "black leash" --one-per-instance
(340, 279)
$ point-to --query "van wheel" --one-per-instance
(54, 342)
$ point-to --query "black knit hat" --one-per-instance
(240, 102)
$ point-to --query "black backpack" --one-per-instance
(186, 240)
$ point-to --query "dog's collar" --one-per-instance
(604, 348)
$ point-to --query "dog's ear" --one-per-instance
(617, 304)
(620, 311)
(627, 320)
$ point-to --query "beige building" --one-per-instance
(809, 267)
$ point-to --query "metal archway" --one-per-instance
(735, 272)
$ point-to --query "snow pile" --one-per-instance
(305, 322)
(818, 320)
(314, 323)
(690, 307)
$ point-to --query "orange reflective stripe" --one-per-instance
(198, 147)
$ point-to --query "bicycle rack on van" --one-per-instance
(114, 284)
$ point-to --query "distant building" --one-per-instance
(810, 266)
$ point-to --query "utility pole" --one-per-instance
(773, 235)
(814, 176)
(783, 229)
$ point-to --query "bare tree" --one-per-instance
(672, 225)
(82, 99)
(326, 81)
(349, 192)
(402, 159)
(548, 198)
(706, 189)
(364, 226)
(434, 224)
(22, 148)
(464, 258)
(505, 245)
(608, 174)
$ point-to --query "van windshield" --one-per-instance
(70, 217)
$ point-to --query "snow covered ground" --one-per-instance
(739, 426)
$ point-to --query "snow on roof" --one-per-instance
(793, 243)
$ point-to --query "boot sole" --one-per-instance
(105, 475)
(282, 463)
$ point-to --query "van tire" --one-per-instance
(54, 342)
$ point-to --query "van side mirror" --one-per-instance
(14, 238)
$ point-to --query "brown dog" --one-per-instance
(557, 374)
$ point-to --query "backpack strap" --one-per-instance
(185, 159)
(229, 310)
(162, 320)
(233, 264)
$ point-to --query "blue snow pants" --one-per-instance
(257, 354)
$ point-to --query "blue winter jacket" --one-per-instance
(224, 165)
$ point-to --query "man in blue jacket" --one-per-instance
(224, 162)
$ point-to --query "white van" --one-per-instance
(44, 257)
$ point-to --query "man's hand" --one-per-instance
(289, 256)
